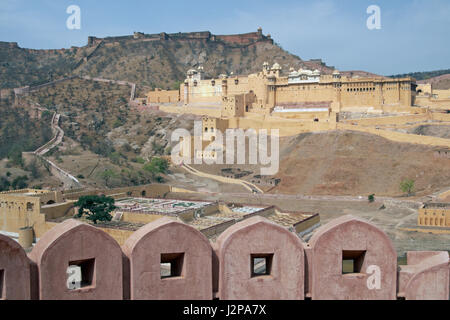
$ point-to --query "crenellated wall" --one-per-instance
(256, 259)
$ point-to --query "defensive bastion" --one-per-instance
(226, 269)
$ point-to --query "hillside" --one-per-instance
(154, 60)
(438, 83)
(440, 79)
(19, 131)
(103, 133)
(352, 163)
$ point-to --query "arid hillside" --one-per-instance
(439, 83)
(157, 63)
(353, 163)
(442, 131)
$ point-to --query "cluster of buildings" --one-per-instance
(434, 215)
(301, 91)
(26, 215)
(433, 98)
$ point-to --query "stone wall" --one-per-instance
(398, 136)
(254, 259)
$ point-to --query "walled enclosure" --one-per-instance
(293, 270)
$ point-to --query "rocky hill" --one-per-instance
(158, 60)
(440, 82)
(351, 163)
(440, 79)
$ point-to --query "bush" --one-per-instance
(97, 208)
(407, 186)
(157, 165)
(20, 183)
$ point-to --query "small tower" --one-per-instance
(200, 73)
(260, 34)
(276, 69)
(224, 87)
(266, 68)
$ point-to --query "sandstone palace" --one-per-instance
(268, 91)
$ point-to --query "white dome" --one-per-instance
(276, 66)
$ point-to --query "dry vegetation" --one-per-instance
(106, 141)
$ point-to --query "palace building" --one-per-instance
(301, 91)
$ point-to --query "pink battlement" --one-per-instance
(252, 260)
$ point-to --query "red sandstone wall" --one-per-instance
(224, 270)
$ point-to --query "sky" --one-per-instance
(414, 34)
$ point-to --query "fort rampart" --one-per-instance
(254, 259)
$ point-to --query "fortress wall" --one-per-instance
(441, 117)
(240, 38)
(164, 96)
(211, 112)
(433, 103)
(321, 115)
(151, 190)
(304, 93)
(286, 127)
(442, 94)
(398, 136)
(397, 120)
(252, 260)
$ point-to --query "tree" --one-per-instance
(97, 208)
(371, 198)
(157, 165)
(107, 175)
(33, 168)
(407, 186)
(20, 183)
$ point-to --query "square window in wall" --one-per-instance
(2, 285)
(352, 261)
(261, 264)
(172, 265)
(81, 274)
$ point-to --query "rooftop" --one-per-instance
(169, 207)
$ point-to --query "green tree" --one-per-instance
(15, 156)
(407, 186)
(20, 183)
(107, 175)
(4, 184)
(33, 168)
(156, 166)
(371, 198)
(97, 208)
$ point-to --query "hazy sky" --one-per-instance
(414, 34)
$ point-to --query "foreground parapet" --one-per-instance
(14, 271)
(260, 260)
(425, 277)
(367, 252)
(346, 259)
(76, 261)
(169, 260)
